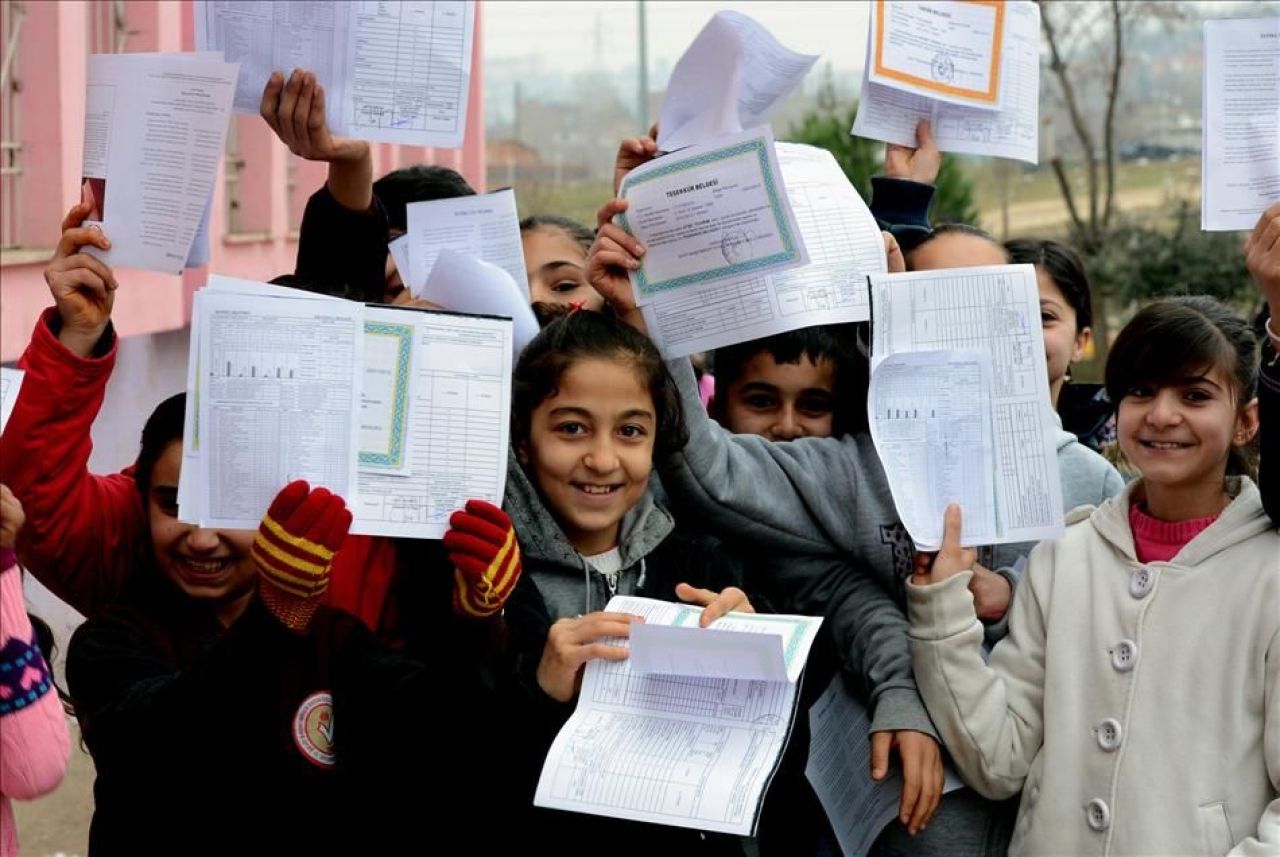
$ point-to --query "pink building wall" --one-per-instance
(54, 41)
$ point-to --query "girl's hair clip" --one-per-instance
(574, 306)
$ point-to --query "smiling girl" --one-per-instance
(593, 407)
(1136, 700)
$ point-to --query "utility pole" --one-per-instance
(642, 37)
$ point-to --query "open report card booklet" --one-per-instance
(689, 730)
(403, 412)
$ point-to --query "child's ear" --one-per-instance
(1246, 424)
(522, 452)
(1084, 338)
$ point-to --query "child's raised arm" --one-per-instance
(83, 532)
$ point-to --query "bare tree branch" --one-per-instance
(1069, 197)
(1109, 124)
(1080, 127)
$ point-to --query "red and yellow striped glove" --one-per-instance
(486, 559)
(294, 550)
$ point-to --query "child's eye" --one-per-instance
(571, 429)
(632, 432)
(1198, 396)
(814, 407)
(760, 402)
(1047, 318)
(565, 286)
(1140, 392)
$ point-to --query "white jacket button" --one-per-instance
(1098, 814)
(1141, 581)
(1124, 655)
(1110, 734)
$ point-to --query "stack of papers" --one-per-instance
(689, 730)
(959, 403)
(155, 125)
(971, 69)
(393, 71)
(402, 412)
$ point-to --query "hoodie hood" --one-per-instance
(644, 526)
(1242, 519)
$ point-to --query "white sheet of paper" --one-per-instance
(944, 49)
(682, 751)
(10, 384)
(760, 646)
(1011, 132)
(485, 226)
(458, 429)
(155, 125)
(844, 246)
(730, 78)
(1240, 177)
(711, 213)
(279, 401)
(397, 71)
(839, 768)
(409, 71)
(399, 248)
(463, 283)
(995, 309)
(935, 441)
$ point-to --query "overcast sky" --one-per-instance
(568, 35)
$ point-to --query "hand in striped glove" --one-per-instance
(486, 559)
(294, 550)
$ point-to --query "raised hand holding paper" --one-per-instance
(710, 213)
(1013, 131)
(399, 72)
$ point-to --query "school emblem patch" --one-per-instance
(313, 729)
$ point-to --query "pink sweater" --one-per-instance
(1155, 540)
(34, 744)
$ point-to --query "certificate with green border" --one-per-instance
(721, 233)
(391, 455)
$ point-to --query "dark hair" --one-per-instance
(572, 228)
(1182, 337)
(586, 335)
(953, 229)
(834, 342)
(163, 427)
(1064, 266)
(419, 183)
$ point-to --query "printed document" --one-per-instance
(683, 750)
(402, 412)
(996, 311)
(397, 71)
(485, 226)
(10, 384)
(948, 50)
(844, 245)
(1240, 177)
(730, 79)
(710, 213)
(155, 125)
(1013, 131)
(839, 769)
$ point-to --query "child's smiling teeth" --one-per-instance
(209, 566)
(595, 489)
(1156, 444)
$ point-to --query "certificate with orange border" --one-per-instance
(948, 50)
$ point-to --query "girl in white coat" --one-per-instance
(1136, 700)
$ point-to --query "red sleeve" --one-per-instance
(83, 532)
